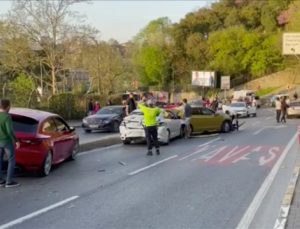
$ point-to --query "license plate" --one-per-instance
(93, 126)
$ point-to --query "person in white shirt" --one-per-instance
(278, 109)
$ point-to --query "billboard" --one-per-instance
(203, 78)
(291, 44)
(225, 82)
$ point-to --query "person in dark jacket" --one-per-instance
(90, 107)
(284, 107)
(131, 104)
(8, 143)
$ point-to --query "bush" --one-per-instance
(22, 92)
(65, 105)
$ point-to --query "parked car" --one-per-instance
(45, 140)
(169, 126)
(206, 120)
(108, 118)
(241, 109)
(294, 109)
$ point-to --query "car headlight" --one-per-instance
(106, 121)
(84, 121)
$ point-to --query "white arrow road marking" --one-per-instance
(199, 150)
(37, 213)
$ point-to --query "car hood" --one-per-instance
(238, 108)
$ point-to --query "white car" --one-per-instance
(169, 126)
(240, 109)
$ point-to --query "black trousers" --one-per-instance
(151, 137)
(278, 113)
(283, 115)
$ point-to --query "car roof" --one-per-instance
(31, 113)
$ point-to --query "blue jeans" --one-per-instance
(9, 149)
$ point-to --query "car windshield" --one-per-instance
(110, 110)
(237, 105)
(24, 124)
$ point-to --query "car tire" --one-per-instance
(254, 115)
(226, 127)
(248, 115)
(87, 131)
(126, 142)
(47, 165)
(115, 127)
(182, 132)
(169, 138)
(75, 152)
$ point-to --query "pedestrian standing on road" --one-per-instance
(97, 107)
(90, 107)
(150, 114)
(284, 107)
(131, 104)
(278, 109)
(8, 143)
(187, 114)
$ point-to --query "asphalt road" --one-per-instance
(93, 136)
(204, 182)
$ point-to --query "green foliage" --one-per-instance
(265, 91)
(22, 90)
(66, 106)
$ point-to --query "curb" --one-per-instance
(287, 200)
(100, 143)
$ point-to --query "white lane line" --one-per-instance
(263, 190)
(255, 123)
(268, 127)
(37, 213)
(99, 150)
(198, 150)
(150, 166)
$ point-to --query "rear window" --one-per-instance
(24, 124)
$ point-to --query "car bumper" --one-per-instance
(134, 134)
(96, 126)
(30, 159)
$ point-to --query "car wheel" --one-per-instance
(126, 142)
(87, 131)
(168, 138)
(254, 115)
(248, 115)
(74, 152)
(226, 127)
(115, 127)
(182, 132)
(47, 165)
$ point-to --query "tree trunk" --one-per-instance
(53, 80)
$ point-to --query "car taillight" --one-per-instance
(31, 141)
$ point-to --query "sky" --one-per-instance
(121, 20)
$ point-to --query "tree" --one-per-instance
(152, 52)
(46, 24)
(21, 90)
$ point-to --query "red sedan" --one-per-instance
(45, 138)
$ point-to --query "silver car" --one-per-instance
(294, 109)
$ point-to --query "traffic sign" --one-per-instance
(291, 44)
(225, 82)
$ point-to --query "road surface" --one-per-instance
(220, 181)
